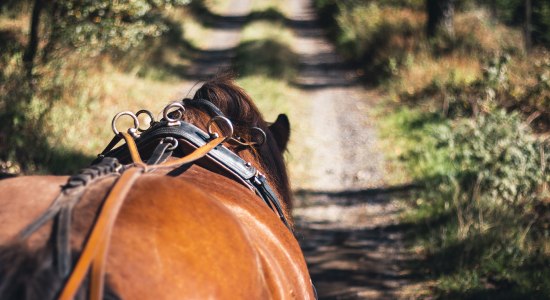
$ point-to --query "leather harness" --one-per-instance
(207, 147)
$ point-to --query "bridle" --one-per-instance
(163, 137)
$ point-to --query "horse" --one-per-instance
(186, 231)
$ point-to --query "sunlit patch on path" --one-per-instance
(347, 222)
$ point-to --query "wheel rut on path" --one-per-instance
(346, 221)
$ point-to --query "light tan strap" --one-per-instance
(132, 148)
(195, 155)
(98, 238)
(96, 247)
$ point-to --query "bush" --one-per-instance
(528, 93)
(377, 37)
(490, 173)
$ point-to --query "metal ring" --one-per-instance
(262, 134)
(120, 114)
(166, 112)
(174, 142)
(149, 114)
(226, 120)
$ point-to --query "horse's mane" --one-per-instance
(238, 106)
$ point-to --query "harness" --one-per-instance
(125, 162)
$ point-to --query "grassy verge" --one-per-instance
(482, 220)
(266, 65)
(62, 121)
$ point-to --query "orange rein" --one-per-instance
(95, 250)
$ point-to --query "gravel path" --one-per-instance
(346, 222)
(219, 49)
(346, 154)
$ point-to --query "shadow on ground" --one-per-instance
(354, 242)
(317, 71)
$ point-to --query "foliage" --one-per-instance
(529, 95)
(483, 218)
(265, 49)
(71, 32)
(472, 107)
(24, 118)
(513, 12)
(100, 25)
(376, 36)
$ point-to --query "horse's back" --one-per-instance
(23, 199)
(200, 234)
(174, 240)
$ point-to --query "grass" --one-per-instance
(74, 108)
(455, 122)
(502, 255)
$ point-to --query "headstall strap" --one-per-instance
(170, 132)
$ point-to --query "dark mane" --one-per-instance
(238, 106)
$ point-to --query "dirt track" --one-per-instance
(346, 221)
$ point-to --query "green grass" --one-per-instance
(481, 219)
(476, 241)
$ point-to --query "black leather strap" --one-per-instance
(61, 210)
(268, 195)
(212, 109)
(159, 153)
(223, 157)
(194, 136)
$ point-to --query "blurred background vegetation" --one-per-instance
(467, 114)
(465, 110)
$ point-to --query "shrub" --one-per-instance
(490, 173)
(379, 38)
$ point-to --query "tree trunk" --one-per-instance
(32, 46)
(440, 16)
(528, 25)
(493, 8)
(53, 12)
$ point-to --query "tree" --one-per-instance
(528, 25)
(93, 26)
(440, 16)
(32, 46)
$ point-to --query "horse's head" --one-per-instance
(238, 106)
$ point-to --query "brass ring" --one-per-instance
(226, 120)
(172, 141)
(123, 113)
(149, 114)
(166, 112)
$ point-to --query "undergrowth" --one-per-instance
(467, 117)
(482, 220)
(58, 120)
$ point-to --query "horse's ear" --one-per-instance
(281, 131)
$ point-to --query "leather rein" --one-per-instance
(170, 131)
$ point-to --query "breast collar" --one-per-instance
(220, 158)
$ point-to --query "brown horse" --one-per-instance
(187, 233)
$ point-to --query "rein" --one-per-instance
(167, 134)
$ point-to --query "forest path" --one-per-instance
(346, 221)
